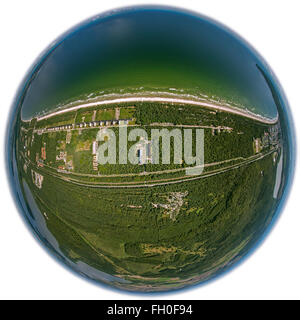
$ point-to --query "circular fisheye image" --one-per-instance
(150, 149)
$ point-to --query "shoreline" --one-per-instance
(234, 110)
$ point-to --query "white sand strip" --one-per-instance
(240, 112)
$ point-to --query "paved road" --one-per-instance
(153, 183)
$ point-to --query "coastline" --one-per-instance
(216, 107)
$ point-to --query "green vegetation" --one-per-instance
(163, 236)
(58, 120)
(127, 113)
(222, 133)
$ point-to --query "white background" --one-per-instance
(26, 269)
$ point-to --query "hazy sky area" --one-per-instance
(153, 48)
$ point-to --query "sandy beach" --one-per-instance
(215, 107)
